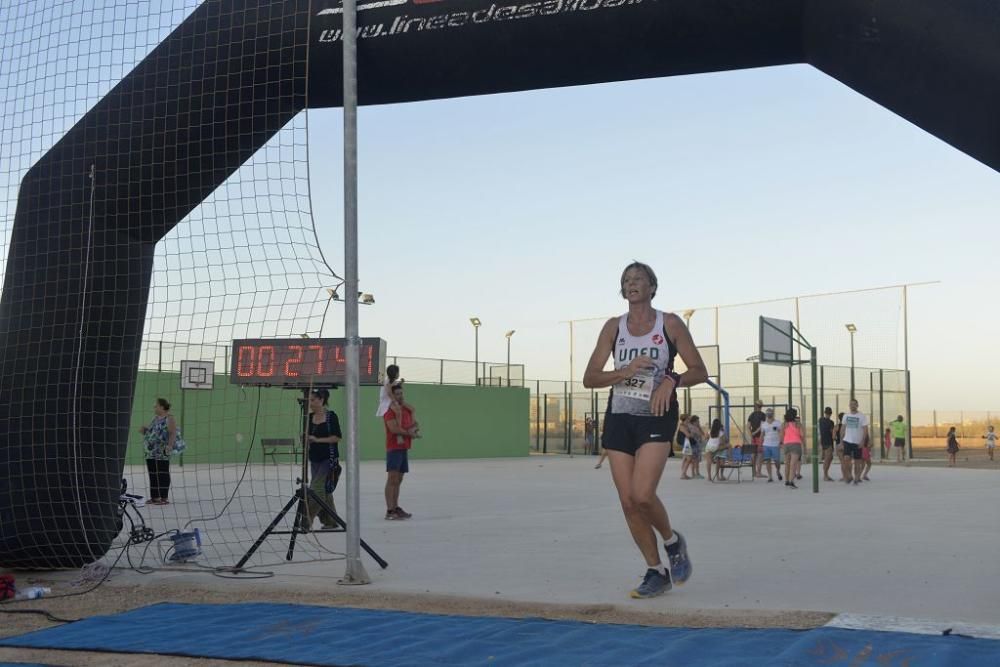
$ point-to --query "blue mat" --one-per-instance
(313, 635)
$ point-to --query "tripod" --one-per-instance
(303, 494)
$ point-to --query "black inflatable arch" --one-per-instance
(92, 209)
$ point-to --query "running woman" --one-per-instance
(991, 440)
(640, 425)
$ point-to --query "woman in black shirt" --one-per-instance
(324, 458)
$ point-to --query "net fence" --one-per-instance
(117, 125)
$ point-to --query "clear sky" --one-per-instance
(522, 209)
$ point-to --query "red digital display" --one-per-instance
(303, 362)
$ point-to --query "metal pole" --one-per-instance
(815, 417)
(906, 367)
(476, 362)
(545, 424)
(354, 571)
(571, 350)
(822, 386)
(852, 366)
(756, 382)
(802, 389)
(567, 415)
(508, 361)
(538, 414)
(881, 414)
(790, 387)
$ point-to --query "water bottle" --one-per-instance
(32, 593)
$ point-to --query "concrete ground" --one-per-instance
(514, 535)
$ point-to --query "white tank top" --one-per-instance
(632, 396)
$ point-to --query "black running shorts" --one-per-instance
(626, 433)
(852, 450)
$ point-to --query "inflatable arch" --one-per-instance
(236, 71)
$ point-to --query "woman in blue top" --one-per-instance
(160, 442)
(642, 417)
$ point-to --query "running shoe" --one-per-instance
(401, 513)
(677, 556)
(653, 584)
(390, 515)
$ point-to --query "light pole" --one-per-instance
(476, 323)
(508, 335)
(687, 323)
(852, 330)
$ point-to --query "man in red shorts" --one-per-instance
(399, 433)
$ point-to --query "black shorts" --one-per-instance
(826, 445)
(900, 442)
(397, 460)
(626, 433)
(852, 450)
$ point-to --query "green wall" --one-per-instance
(455, 421)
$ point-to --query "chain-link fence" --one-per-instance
(930, 432)
(566, 417)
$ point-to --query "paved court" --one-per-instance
(914, 542)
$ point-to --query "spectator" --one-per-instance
(400, 429)
(681, 436)
(854, 436)
(716, 448)
(899, 429)
(826, 428)
(324, 459)
(991, 440)
(161, 440)
(696, 438)
(953, 447)
(588, 435)
(791, 438)
(771, 440)
(838, 444)
(754, 421)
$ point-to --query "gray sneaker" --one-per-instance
(680, 563)
(653, 584)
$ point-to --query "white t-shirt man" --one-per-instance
(854, 425)
(770, 431)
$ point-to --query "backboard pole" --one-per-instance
(815, 415)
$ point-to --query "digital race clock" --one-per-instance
(303, 362)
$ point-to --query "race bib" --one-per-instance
(638, 386)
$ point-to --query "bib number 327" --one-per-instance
(638, 386)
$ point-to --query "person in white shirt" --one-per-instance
(854, 435)
(991, 440)
(770, 432)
